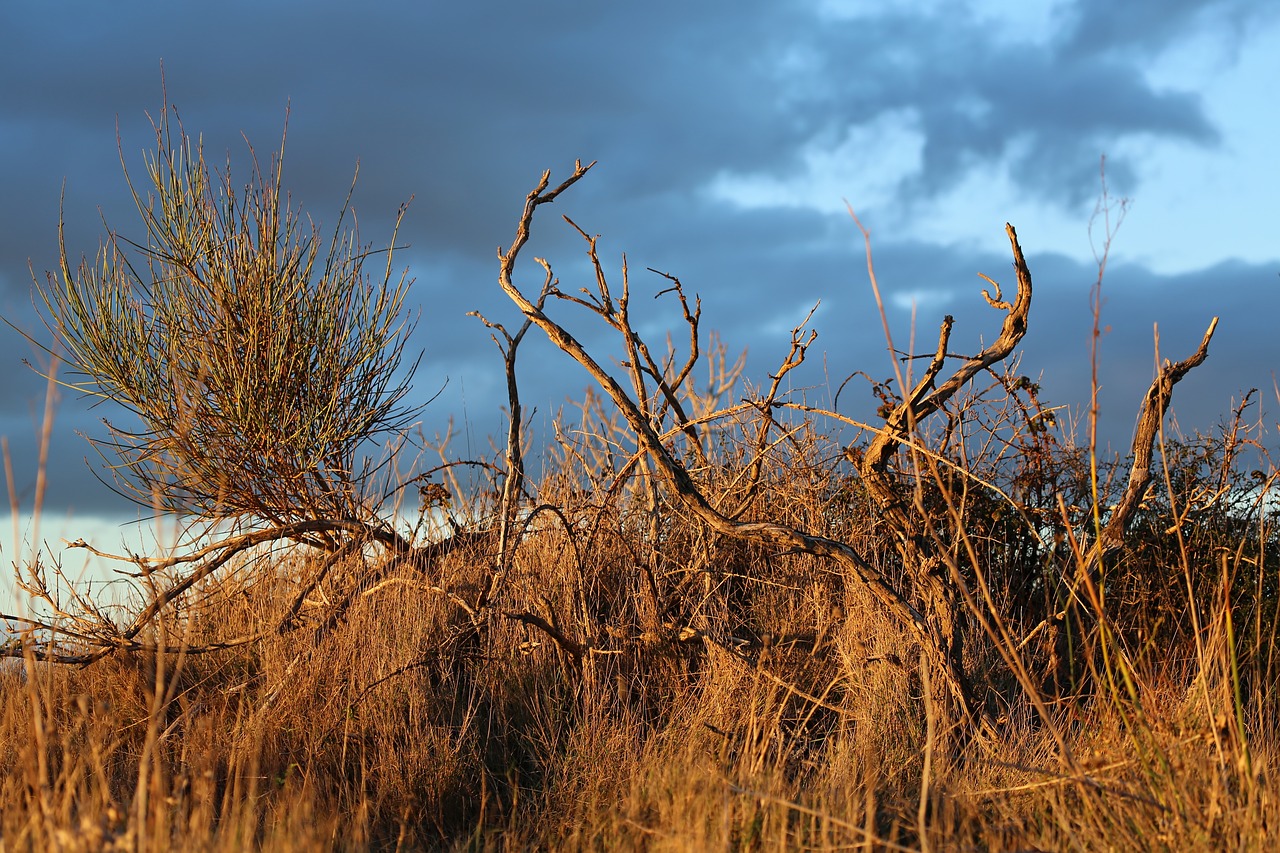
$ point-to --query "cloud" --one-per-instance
(727, 134)
(1147, 27)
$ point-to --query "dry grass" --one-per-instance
(793, 720)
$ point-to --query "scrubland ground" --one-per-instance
(720, 619)
(705, 694)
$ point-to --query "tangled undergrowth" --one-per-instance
(721, 618)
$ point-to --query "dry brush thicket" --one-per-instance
(721, 616)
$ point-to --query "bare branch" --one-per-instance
(1150, 415)
(682, 486)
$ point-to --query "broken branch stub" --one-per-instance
(1155, 404)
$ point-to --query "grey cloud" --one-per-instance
(1047, 111)
(463, 105)
(1149, 26)
(459, 104)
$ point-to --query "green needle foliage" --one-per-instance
(257, 355)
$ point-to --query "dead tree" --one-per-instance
(933, 603)
(932, 625)
(939, 586)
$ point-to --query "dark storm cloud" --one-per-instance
(458, 103)
(462, 105)
(1045, 110)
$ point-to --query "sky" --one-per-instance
(729, 139)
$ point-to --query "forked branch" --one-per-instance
(681, 484)
(927, 397)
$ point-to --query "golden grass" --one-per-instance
(795, 722)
